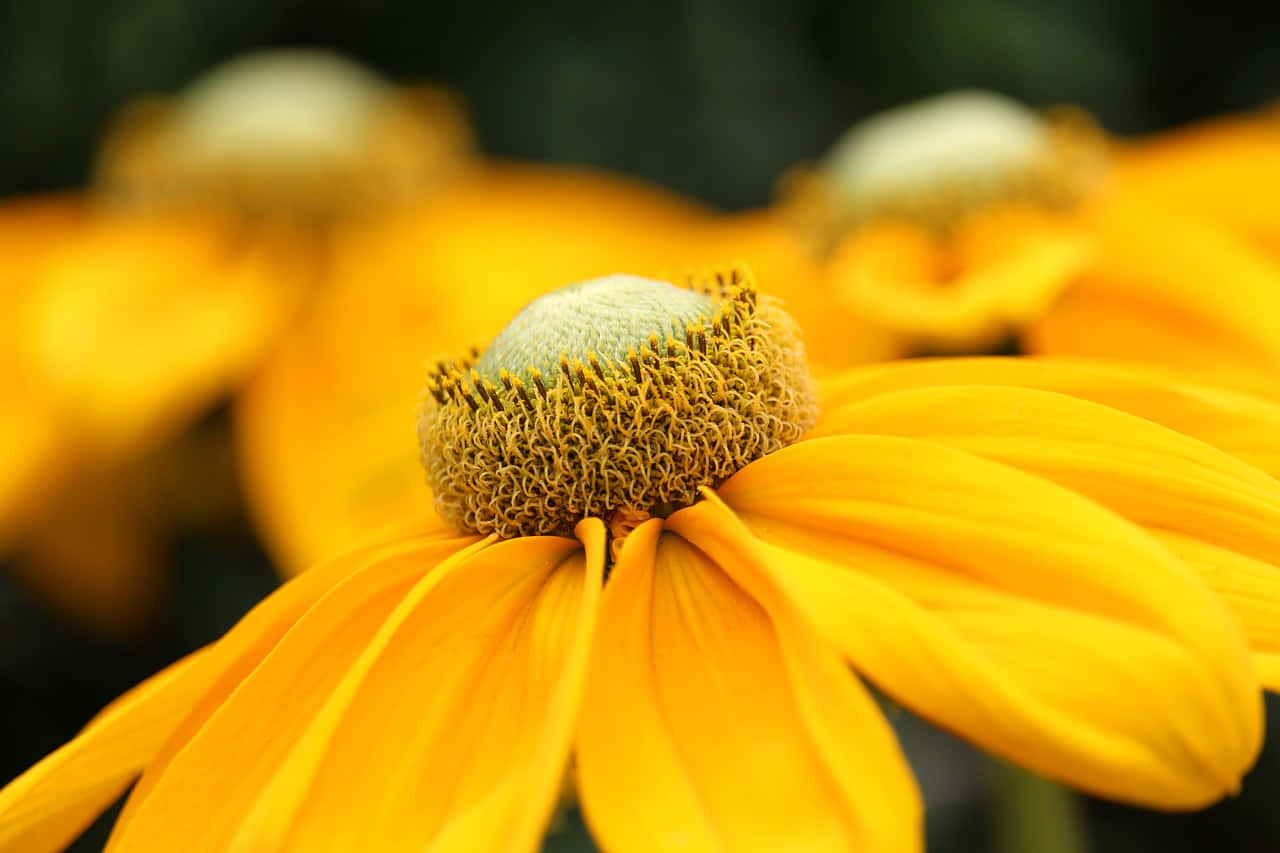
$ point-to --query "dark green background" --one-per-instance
(712, 97)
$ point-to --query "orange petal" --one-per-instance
(1012, 611)
(272, 765)
(714, 721)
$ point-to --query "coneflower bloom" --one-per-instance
(323, 454)
(668, 555)
(953, 220)
(967, 219)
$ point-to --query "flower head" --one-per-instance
(953, 220)
(1000, 545)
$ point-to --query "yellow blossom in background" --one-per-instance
(676, 545)
(952, 221)
(964, 220)
(132, 309)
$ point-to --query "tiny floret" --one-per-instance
(618, 398)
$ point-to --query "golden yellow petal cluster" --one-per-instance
(1001, 545)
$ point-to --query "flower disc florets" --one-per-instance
(619, 398)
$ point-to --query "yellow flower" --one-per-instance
(263, 197)
(952, 221)
(666, 583)
(325, 461)
(964, 220)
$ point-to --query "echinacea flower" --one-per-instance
(667, 560)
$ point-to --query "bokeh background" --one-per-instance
(711, 97)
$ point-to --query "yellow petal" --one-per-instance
(433, 687)
(1167, 288)
(1249, 587)
(142, 322)
(963, 290)
(1150, 474)
(49, 805)
(1227, 169)
(330, 461)
(1189, 402)
(715, 723)
(1011, 611)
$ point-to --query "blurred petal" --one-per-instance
(715, 723)
(398, 676)
(33, 458)
(1227, 169)
(960, 290)
(94, 555)
(34, 451)
(1011, 611)
(1188, 402)
(142, 321)
(1170, 289)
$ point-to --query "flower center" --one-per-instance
(618, 398)
(935, 161)
(291, 127)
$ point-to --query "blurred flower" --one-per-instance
(990, 542)
(962, 220)
(134, 308)
(952, 221)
